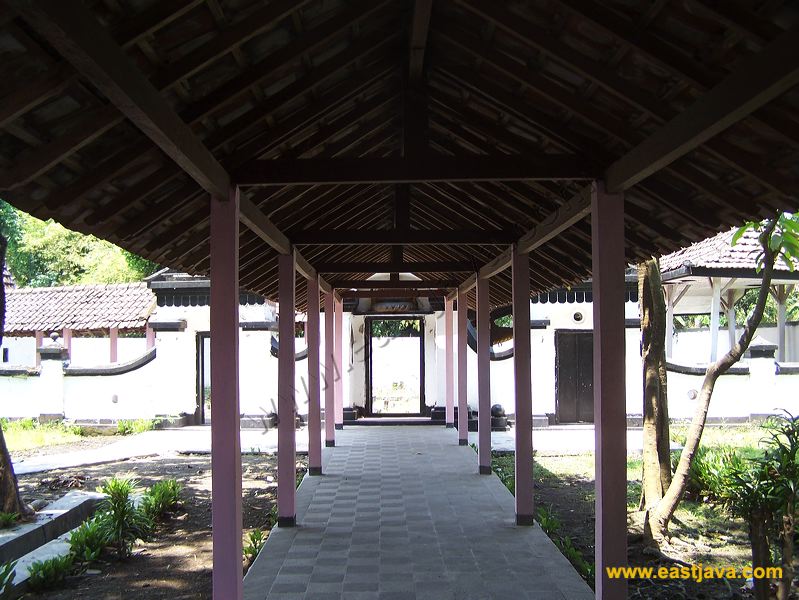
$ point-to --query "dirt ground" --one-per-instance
(85, 443)
(571, 498)
(177, 564)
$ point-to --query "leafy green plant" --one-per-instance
(87, 542)
(161, 498)
(575, 557)
(8, 519)
(255, 542)
(7, 572)
(130, 426)
(47, 574)
(548, 520)
(122, 522)
(709, 471)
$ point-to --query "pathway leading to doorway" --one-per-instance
(402, 514)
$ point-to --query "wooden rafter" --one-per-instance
(73, 30)
(395, 267)
(761, 79)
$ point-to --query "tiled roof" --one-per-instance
(718, 252)
(79, 307)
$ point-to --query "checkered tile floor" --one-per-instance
(401, 514)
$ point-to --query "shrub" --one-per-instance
(548, 520)
(8, 519)
(7, 572)
(710, 470)
(160, 498)
(47, 574)
(130, 426)
(121, 522)
(89, 540)
(255, 542)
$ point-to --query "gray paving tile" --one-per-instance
(401, 514)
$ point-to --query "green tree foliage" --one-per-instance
(396, 328)
(44, 253)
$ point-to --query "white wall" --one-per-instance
(86, 351)
(693, 346)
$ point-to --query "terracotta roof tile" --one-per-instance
(718, 252)
(79, 307)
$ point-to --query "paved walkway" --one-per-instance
(401, 514)
(570, 439)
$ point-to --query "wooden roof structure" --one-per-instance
(398, 136)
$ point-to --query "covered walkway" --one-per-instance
(402, 513)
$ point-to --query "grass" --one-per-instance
(26, 434)
(130, 426)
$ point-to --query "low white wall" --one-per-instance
(693, 345)
(86, 351)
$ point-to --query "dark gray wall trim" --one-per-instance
(699, 370)
(178, 325)
(20, 371)
(117, 369)
(788, 368)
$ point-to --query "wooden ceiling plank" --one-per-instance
(73, 30)
(368, 284)
(572, 211)
(33, 92)
(762, 78)
(226, 41)
(160, 14)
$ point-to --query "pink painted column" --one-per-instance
(225, 443)
(483, 378)
(338, 354)
(463, 409)
(520, 267)
(150, 337)
(610, 419)
(314, 413)
(66, 336)
(449, 364)
(39, 337)
(331, 372)
(286, 429)
(113, 337)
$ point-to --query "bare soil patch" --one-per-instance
(177, 563)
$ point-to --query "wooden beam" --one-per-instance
(75, 33)
(571, 212)
(25, 96)
(403, 267)
(497, 265)
(395, 294)
(392, 237)
(759, 80)
(412, 170)
(367, 284)
(420, 25)
(260, 224)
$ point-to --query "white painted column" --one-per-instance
(715, 310)
(731, 330)
(669, 290)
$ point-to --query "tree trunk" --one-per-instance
(656, 452)
(787, 534)
(658, 518)
(761, 554)
(10, 501)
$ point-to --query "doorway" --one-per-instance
(202, 409)
(574, 376)
(395, 369)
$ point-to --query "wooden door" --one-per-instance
(574, 376)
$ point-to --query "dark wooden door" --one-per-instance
(574, 376)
